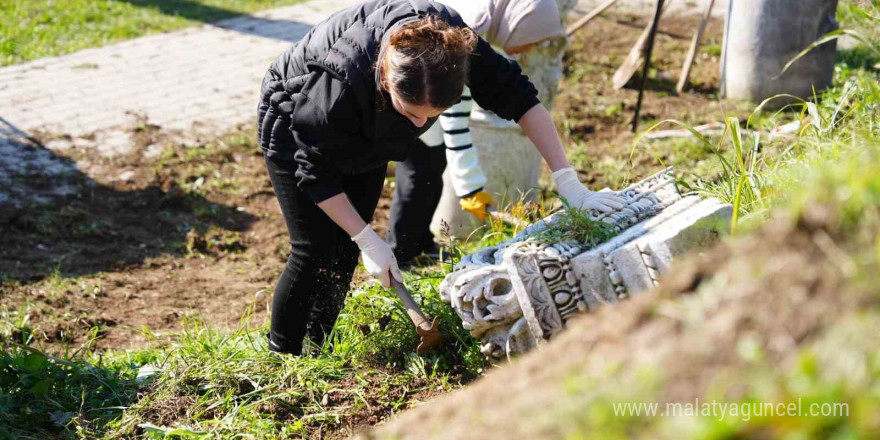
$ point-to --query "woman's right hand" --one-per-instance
(477, 204)
(378, 257)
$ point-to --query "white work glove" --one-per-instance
(578, 196)
(378, 257)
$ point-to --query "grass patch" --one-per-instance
(839, 123)
(42, 396)
(216, 383)
(40, 28)
(575, 224)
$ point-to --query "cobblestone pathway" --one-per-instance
(208, 76)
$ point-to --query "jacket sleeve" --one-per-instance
(498, 84)
(321, 125)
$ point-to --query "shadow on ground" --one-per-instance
(55, 217)
(859, 57)
(284, 30)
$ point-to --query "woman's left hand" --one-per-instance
(578, 196)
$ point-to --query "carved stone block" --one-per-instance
(517, 295)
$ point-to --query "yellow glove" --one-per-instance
(477, 204)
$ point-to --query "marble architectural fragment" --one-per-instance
(517, 295)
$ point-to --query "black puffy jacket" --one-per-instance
(320, 105)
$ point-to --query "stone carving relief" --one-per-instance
(517, 295)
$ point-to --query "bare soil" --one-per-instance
(594, 118)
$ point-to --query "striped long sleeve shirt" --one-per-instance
(453, 132)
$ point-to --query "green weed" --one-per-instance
(713, 50)
(45, 396)
(739, 185)
(575, 224)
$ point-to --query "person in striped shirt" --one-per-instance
(513, 25)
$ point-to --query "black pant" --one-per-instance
(316, 278)
(419, 183)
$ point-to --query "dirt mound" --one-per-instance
(741, 309)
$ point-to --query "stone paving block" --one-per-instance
(185, 62)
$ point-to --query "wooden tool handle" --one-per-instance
(692, 51)
(412, 309)
(590, 16)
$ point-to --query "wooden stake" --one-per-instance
(692, 53)
(590, 16)
(650, 48)
(634, 59)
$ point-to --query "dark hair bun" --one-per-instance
(428, 63)
(431, 34)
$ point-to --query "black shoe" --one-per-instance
(278, 348)
(429, 255)
(432, 251)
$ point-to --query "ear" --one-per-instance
(380, 67)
